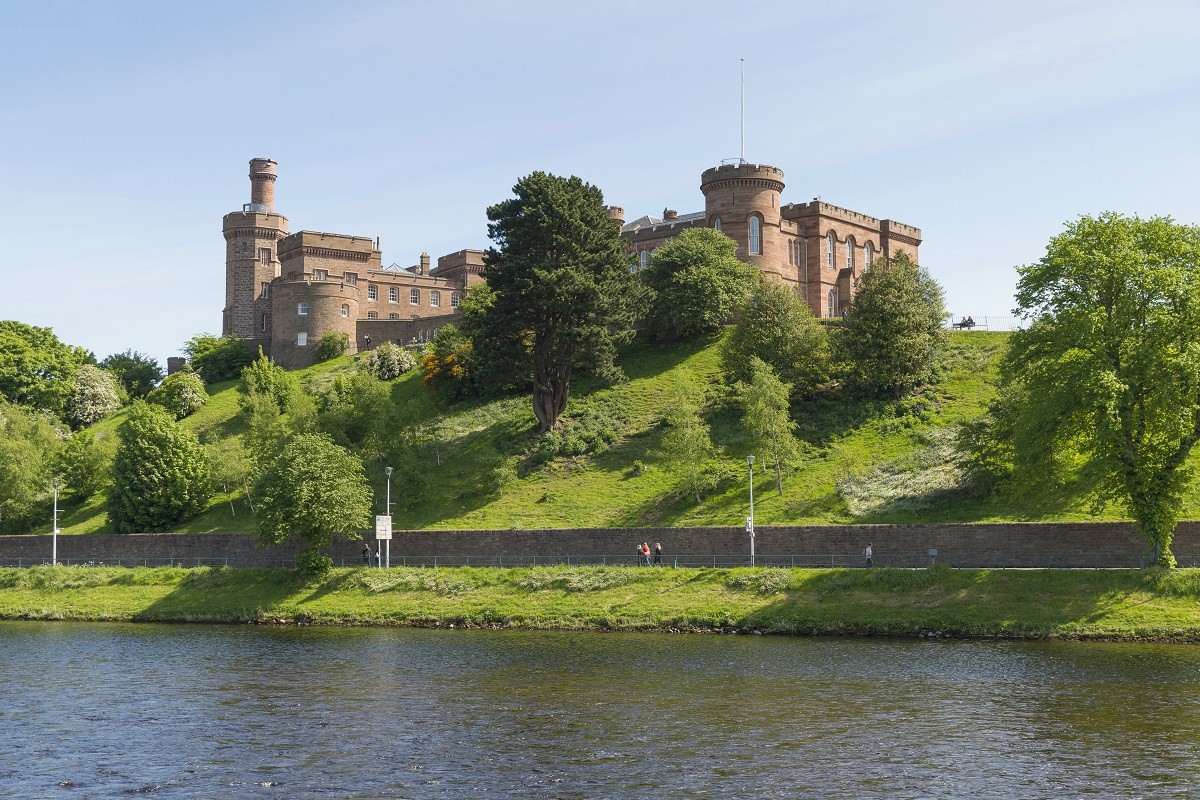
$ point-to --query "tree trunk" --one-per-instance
(1158, 542)
(550, 389)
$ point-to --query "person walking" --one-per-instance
(366, 555)
(646, 553)
(658, 553)
(868, 552)
(640, 557)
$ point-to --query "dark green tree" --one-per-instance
(181, 393)
(36, 368)
(892, 334)
(779, 329)
(217, 358)
(160, 474)
(1110, 367)
(698, 283)
(564, 298)
(137, 372)
(316, 491)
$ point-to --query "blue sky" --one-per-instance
(128, 127)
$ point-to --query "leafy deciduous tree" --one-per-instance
(687, 440)
(217, 358)
(95, 394)
(1110, 366)
(266, 378)
(85, 464)
(316, 491)
(779, 329)
(698, 283)
(160, 473)
(564, 298)
(137, 372)
(29, 441)
(35, 367)
(892, 334)
(181, 393)
(770, 428)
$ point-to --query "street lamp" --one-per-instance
(387, 548)
(750, 519)
(54, 540)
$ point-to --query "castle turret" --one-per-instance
(742, 200)
(251, 260)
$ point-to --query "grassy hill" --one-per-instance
(862, 462)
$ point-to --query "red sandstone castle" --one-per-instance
(285, 291)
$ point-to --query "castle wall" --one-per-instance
(327, 306)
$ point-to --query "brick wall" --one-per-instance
(1082, 544)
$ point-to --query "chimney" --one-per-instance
(424, 263)
(670, 214)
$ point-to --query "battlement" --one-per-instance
(823, 209)
(717, 176)
(320, 241)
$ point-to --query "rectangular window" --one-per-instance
(435, 299)
(414, 297)
(264, 323)
(372, 315)
(264, 256)
(393, 316)
(351, 279)
(301, 339)
(393, 294)
(320, 275)
(372, 291)
(454, 299)
(302, 309)
(345, 309)
(263, 289)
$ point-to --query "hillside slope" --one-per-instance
(478, 467)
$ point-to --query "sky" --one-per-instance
(128, 127)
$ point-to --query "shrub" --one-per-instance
(95, 394)
(388, 361)
(333, 344)
(217, 358)
(182, 394)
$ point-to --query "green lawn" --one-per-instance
(1109, 604)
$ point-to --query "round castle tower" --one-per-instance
(736, 194)
(251, 260)
(329, 307)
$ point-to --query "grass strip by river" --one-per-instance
(1100, 604)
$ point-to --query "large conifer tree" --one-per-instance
(564, 295)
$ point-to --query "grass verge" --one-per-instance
(1104, 604)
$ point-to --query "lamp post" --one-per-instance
(750, 519)
(388, 546)
(54, 539)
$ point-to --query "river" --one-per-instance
(100, 710)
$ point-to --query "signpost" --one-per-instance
(383, 533)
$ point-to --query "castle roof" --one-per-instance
(650, 221)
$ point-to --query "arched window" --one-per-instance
(345, 309)
(830, 243)
(302, 309)
(832, 310)
(414, 297)
(868, 255)
(435, 299)
(454, 299)
(791, 252)
(755, 236)
(850, 252)
(717, 224)
(643, 259)
(372, 291)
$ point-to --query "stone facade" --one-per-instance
(285, 291)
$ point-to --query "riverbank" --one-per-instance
(1087, 604)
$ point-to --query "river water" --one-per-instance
(97, 711)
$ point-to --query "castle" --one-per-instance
(285, 291)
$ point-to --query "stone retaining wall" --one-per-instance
(1032, 544)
